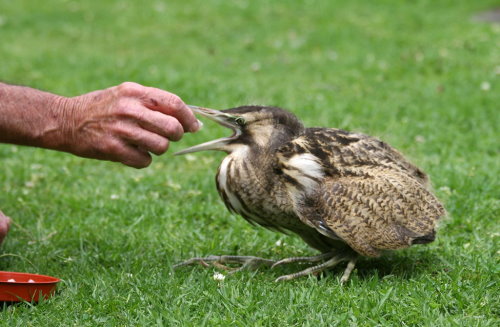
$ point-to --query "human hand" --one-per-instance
(4, 226)
(124, 123)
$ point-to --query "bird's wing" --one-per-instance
(369, 196)
(381, 210)
(341, 152)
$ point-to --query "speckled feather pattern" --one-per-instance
(329, 186)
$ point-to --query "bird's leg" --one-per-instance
(348, 270)
(219, 261)
(315, 258)
(325, 265)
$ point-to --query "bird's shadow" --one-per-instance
(404, 267)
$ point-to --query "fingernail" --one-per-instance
(198, 126)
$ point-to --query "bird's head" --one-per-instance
(257, 126)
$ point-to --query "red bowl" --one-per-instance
(16, 287)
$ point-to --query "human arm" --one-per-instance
(123, 123)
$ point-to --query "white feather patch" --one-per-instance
(306, 170)
(222, 178)
(307, 164)
(236, 155)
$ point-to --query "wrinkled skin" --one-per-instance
(125, 123)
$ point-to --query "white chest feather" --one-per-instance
(226, 169)
(305, 173)
(305, 169)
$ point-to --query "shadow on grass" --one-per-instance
(5, 304)
(402, 266)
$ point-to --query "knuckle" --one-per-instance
(175, 103)
(123, 106)
(121, 130)
(129, 88)
(129, 111)
(139, 114)
(179, 133)
(111, 149)
(175, 130)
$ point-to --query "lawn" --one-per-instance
(421, 75)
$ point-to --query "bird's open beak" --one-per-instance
(224, 119)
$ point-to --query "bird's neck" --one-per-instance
(247, 184)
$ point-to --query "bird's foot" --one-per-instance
(251, 262)
(220, 261)
(333, 259)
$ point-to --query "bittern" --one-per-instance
(345, 194)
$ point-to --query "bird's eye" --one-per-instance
(240, 121)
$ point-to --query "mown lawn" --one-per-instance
(421, 75)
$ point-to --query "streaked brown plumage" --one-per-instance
(343, 193)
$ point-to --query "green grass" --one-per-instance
(409, 72)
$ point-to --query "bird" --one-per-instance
(346, 194)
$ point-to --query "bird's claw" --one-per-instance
(197, 260)
(219, 261)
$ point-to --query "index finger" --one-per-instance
(171, 105)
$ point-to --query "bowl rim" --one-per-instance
(13, 274)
